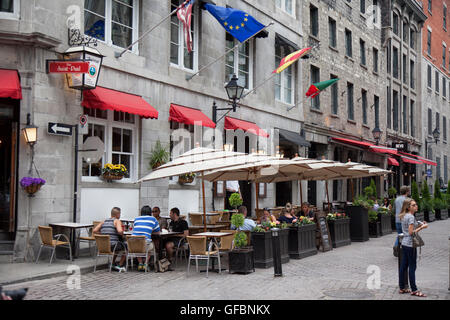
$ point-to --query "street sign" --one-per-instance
(429, 173)
(96, 149)
(62, 66)
(59, 129)
(82, 126)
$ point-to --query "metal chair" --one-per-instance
(48, 241)
(197, 250)
(103, 243)
(137, 247)
(90, 238)
(182, 248)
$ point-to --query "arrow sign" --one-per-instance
(59, 129)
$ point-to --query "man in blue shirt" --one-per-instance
(249, 224)
(145, 225)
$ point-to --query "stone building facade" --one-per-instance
(154, 69)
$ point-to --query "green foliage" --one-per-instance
(284, 225)
(159, 155)
(373, 216)
(415, 191)
(259, 229)
(392, 192)
(427, 205)
(437, 190)
(303, 221)
(448, 187)
(235, 200)
(425, 191)
(374, 188)
(361, 201)
(383, 210)
(439, 204)
(240, 239)
(237, 220)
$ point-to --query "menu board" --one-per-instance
(325, 239)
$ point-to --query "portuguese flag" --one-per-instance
(290, 59)
(318, 87)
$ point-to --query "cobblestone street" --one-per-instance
(338, 274)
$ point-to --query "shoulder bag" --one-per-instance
(417, 240)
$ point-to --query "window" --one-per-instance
(438, 168)
(395, 109)
(362, 50)
(436, 73)
(444, 87)
(411, 117)
(395, 23)
(334, 96)
(404, 115)
(348, 42)
(375, 11)
(376, 103)
(286, 5)
(388, 58)
(314, 20)
(284, 81)
(405, 31)
(429, 77)
(429, 5)
(117, 131)
(444, 128)
(388, 108)
(412, 39)
(412, 74)
(437, 120)
(350, 106)
(444, 17)
(444, 50)
(364, 105)
(112, 21)
(332, 32)
(375, 60)
(239, 61)
(362, 6)
(445, 170)
(430, 121)
(429, 43)
(405, 70)
(315, 77)
(9, 9)
(395, 62)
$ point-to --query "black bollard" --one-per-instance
(400, 257)
(277, 272)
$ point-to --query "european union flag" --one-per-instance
(238, 23)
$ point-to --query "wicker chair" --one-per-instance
(103, 243)
(90, 237)
(196, 219)
(197, 247)
(214, 219)
(137, 248)
(50, 241)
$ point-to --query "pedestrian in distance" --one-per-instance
(409, 253)
(398, 203)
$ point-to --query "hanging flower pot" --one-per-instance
(114, 172)
(31, 185)
(186, 178)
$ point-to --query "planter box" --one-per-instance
(375, 229)
(441, 214)
(284, 245)
(241, 260)
(385, 221)
(359, 223)
(420, 216)
(393, 226)
(262, 247)
(340, 232)
(302, 241)
(429, 216)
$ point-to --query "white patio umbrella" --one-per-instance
(199, 160)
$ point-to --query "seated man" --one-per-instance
(114, 228)
(176, 225)
(145, 225)
(248, 225)
(306, 211)
(162, 221)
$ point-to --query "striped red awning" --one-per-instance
(410, 160)
(103, 99)
(383, 149)
(393, 162)
(10, 84)
(422, 159)
(235, 124)
(353, 142)
(189, 116)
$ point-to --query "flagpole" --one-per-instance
(118, 55)
(189, 77)
(301, 102)
(259, 85)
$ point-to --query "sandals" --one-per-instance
(402, 291)
(418, 294)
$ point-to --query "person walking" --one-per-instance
(409, 253)
(398, 203)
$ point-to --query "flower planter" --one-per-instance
(393, 224)
(340, 232)
(385, 220)
(284, 245)
(262, 247)
(302, 241)
(241, 260)
(359, 223)
(441, 214)
(109, 177)
(184, 180)
(420, 216)
(429, 216)
(32, 189)
(375, 229)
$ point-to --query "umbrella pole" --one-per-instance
(256, 195)
(204, 204)
(301, 192)
(328, 197)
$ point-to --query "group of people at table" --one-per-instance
(151, 223)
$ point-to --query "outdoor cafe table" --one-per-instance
(160, 239)
(72, 227)
(127, 221)
(209, 227)
(214, 236)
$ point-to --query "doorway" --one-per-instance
(8, 164)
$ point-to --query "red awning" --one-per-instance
(189, 116)
(410, 160)
(103, 99)
(10, 84)
(383, 149)
(235, 124)
(353, 142)
(393, 162)
(422, 159)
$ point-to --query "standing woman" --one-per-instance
(409, 254)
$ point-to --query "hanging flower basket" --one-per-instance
(109, 177)
(186, 178)
(114, 172)
(31, 185)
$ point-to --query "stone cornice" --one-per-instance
(35, 39)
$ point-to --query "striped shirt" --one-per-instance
(109, 228)
(144, 226)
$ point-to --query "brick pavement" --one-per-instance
(337, 274)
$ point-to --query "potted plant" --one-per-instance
(261, 239)
(159, 155)
(114, 172)
(374, 224)
(384, 217)
(235, 200)
(392, 192)
(302, 238)
(284, 242)
(186, 178)
(440, 206)
(241, 258)
(31, 185)
(416, 196)
(358, 214)
(444, 210)
(339, 226)
(427, 203)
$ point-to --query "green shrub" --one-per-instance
(235, 200)
(392, 192)
(373, 216)
(240, 239)
(425, 191)
(437, 190)
(439, 204)
(237, 220)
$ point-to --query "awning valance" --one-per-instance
(103, 99)
(422, 159)
(294, 137)
(189, 116)
(10, 84)
(383, 149)
(393, 162)
(235, 124)
(411, 160)
(353, 142)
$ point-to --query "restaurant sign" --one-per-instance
(61, 66)
(400, 146)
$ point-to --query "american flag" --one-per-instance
(184, 14)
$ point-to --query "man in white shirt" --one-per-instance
(232, 187)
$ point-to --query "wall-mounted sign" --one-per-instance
(61, 66)
(429, 173)
(59, 129)
(401, 146)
